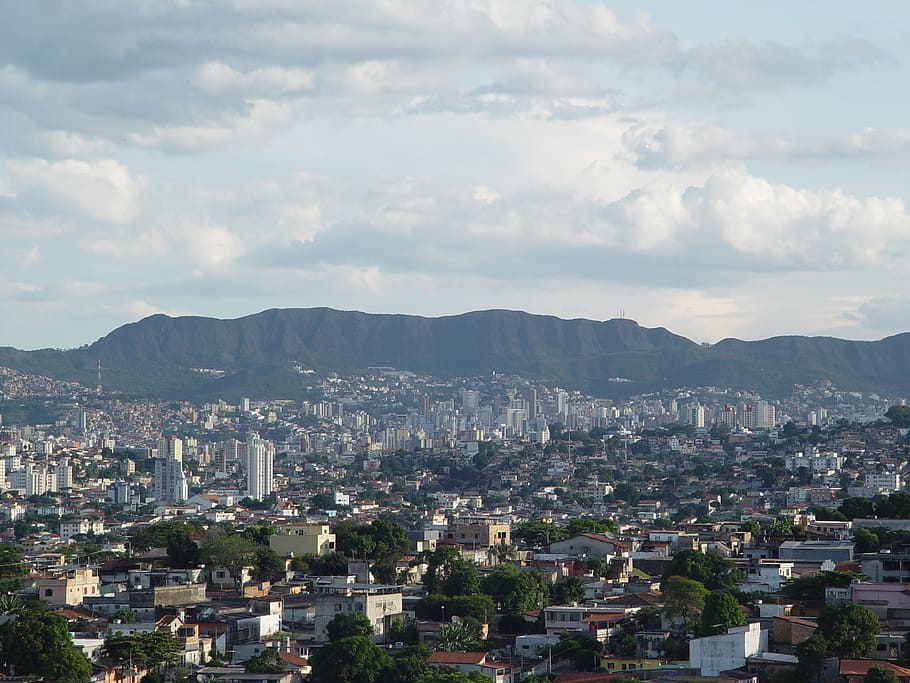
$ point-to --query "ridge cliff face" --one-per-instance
(256, 354)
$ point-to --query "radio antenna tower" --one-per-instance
(98, 387)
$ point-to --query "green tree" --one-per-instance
(267, 566)
(582, 525)
(813, 587)
(684, 599)
(752, 527)
(567, 591)
(879, 674)
(899, 416)
(347, 624)
(404, 631)
(330, 564)
(267, 662)
(143, 650)
(460, 634)
(811, 654)
(462, 578)
(515, 590)
(856, 508)
(125, 616)
(234, 553)
(258, 533)
(712, 570)
(355, 659)
(12, 568)
(867, 541)
(849, 629)
(37, 643)
(721, 611)
(537, 534)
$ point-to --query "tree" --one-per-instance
(867, 541)
(37, 643)
(12, 569)
(460, 634)
(752, 527)
(899, 416)
(721, 611)
(586, 525)
(355, 659)
(330, 564)
(234, 553)
(586, 660)
(712, 570)
(879, 674)
(404, 631)
(267, 662)
(462, 578)
(515, 590)
(258, 533)
(567, 591)
(347, 624)
(813, 587)
(856, 507)
(812, 653)
(537, 534)
(143, 650)
(125, 616)
(684, 599)
(849, 629)
(266, 564)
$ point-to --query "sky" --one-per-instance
(719, 169)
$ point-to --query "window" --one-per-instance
(48, 592)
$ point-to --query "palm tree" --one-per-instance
(503, 552)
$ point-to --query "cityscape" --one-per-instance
(488, 527)
(454, 341)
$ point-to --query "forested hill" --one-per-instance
(261, 354)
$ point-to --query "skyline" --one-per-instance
(721, 173)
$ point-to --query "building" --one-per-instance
(302, 539)
(478, 533)
(68, 586)
(713, 654)
(170, 481)
(592, 545)
(259, 474)
(380, 604)
(466, 662)
(75, 527)
(816, 551)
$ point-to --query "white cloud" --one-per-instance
(101, 190)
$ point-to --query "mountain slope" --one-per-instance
(162, 356)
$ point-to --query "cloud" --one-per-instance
(670, 145)
(102, 190)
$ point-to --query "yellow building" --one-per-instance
(302, 539)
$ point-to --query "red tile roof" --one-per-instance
(458, 658)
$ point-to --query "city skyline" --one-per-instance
(720, 172)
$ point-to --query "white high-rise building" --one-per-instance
(170, 482)
(64, 473)
(259, 474)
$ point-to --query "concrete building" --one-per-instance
(478, 533)
(259, 473)
(713, 654)
(68, 586)
(75, 527)
(170, 481)
(816, 551)
(381, 604)
(302, 539)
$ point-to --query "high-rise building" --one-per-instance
(259, 473)
(697, 416)
(170, 482)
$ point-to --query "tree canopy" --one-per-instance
(355, 659)
(37, 643)
(721, 611)
(712, 570)
(347, 624)
(850, 630)
(684, 599)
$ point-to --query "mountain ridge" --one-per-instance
(160, 355)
